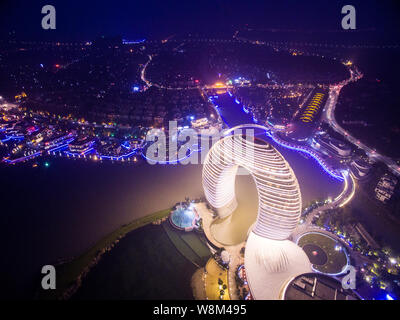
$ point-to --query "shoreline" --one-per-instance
(71, 273)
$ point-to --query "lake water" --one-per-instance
(59, 211)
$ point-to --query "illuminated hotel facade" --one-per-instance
(271, 260)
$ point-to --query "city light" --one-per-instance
(86, 110)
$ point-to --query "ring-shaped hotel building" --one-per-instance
(271, 260)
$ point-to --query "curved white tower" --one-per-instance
(278, 191)
(270, 259)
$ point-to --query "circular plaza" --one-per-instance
(326, 255)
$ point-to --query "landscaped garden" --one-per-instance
(326, 254)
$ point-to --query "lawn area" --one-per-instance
(67, 273)
(144, 266)
(213, 273)
(188, 244)
(336, 260)
(198, 246)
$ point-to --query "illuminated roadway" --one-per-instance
(239, 120)
(329, 117)
(349, 189)
(349, 184)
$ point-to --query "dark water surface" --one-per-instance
(58, 212)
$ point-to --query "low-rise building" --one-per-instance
(81, 145)
(385, 187)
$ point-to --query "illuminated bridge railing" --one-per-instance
(334, 173)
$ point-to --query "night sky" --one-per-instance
(85, 20)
